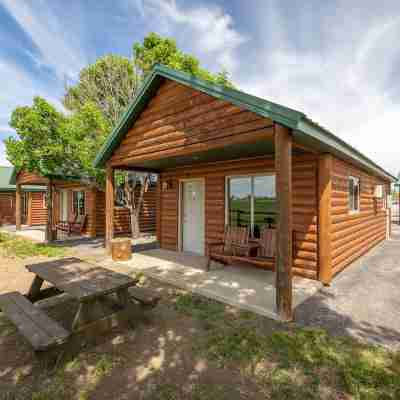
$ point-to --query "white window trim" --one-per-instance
(227, 178)
(355, 179)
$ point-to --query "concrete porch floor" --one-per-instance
(241, 285)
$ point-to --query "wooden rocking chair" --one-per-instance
(78, 225)
(236, 240)
(65, 226)
(266, 247)
(267, 243)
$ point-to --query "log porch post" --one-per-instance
(93, 213)
(284, 249)
(109, 208)
(29, 211)
(324, 218)
(49, 225)
(18, 206)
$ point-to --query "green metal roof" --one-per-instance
(6, 185)
(60, 177)
(304, 129)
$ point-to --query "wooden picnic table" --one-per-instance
(90, 284)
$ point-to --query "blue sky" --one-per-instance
(337, 61)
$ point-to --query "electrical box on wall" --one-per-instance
(378, 191)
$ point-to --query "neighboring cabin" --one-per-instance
(33, 204)
(226, 157)
(72, 197)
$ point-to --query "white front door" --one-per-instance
(64, 205)
(193, 216)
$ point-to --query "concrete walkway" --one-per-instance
(242, 286)
(363, 300)
(35, 233)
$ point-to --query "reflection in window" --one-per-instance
(240, 201)
(251, 202)
(264, 202)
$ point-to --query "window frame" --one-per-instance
(358, 180)
(252, 176)
(73, 202)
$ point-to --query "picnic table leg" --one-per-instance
(132, 311)
(82, 316)
(34, 290)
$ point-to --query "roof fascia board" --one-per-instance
(338, 146)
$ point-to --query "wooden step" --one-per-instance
(144, 296)
(38, 329)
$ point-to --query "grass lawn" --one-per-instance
(190, 347)
(14, 246)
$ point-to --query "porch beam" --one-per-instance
(18, 206)
(137, 169)
(324, 218)
(110, 189)
(284, 246)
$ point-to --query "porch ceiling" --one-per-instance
(231, 152)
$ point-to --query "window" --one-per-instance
(251, 202)
(354, 194)
(78, 203)
(384, 198)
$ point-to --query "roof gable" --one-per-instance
(304, 129)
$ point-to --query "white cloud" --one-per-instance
(342, 85)
(18, 89)
(59, 45)
(3, 160)
(207, 30)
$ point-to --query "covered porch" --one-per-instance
(237, 285)
(184, 239)
(67, 202)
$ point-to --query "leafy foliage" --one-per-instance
(40, 147)
(109, 84)
(51, 143)
(156, 49)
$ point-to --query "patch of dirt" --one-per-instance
(14, 275)
(156, 359)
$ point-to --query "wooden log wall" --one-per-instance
(179, 120)
(7, 208)
(39, 210)
(147, 218)
(304, 204)
(354, 234)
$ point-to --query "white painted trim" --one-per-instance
(180, 200)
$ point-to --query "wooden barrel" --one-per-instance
(121, 249)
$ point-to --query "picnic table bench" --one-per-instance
(103, 296)
(40, 330)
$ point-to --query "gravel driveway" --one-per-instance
(363, 300)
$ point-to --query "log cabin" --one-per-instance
(33, 206)
(225, 157)
(72, 197)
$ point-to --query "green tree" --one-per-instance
(51, 143)
(156, 49)
(110, 83)
(39, 146)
